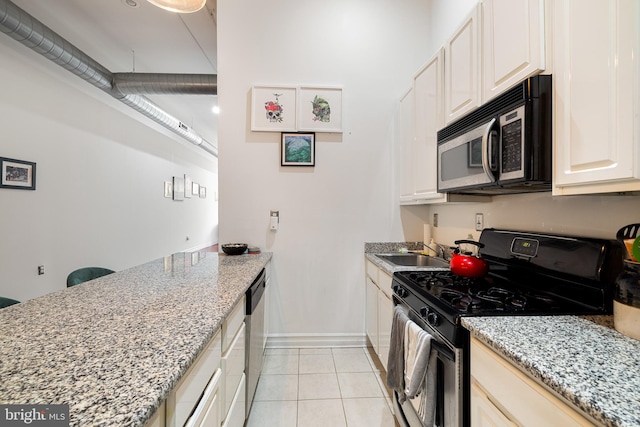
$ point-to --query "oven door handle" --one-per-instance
(488, 150)
(443, 350)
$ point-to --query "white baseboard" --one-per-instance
(315, 340)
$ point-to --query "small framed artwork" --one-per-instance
(17, 174)
(203, 192)
(195, 189)
(168, 189)
(273, 108)
(320, 109)
(178, 188)
(298, 149)
(187, 186)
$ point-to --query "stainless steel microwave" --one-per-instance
(502, 147)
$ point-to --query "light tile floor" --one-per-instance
(325, 387)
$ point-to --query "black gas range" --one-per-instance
(529, 274)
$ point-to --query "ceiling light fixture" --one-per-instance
(180, 6)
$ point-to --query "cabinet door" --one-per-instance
(596, 96)
(385, 317)
(404, 165)
(513, 45)
(429, 118)
(484, 413)
(371, 313)
(462, 90)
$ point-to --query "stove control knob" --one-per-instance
(433, 319)
(424, 312)
(400, 291)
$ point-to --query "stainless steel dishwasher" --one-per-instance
(255, 324)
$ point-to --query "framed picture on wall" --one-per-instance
(273, 108)
(168, 189)
(17, 174)
(178, 188)
(187, 186)
(203, 192)
(320, 109)
(195, 189)
(298, 149)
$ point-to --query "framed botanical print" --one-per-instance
(320, 109)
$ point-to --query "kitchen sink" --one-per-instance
(415, 260)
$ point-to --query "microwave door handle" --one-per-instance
(487, 150)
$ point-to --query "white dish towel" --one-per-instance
(420, 370)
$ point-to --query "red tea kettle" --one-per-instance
(468, 265)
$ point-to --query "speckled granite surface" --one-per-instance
(114, 347)
(582, 359)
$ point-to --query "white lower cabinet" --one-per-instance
(187, 394)
(207, 414)
(378, 310)
(233, 388)
(385, 317)
(502, 395)
(237, 409)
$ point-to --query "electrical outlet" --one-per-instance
(435, 219)
(40, 270)
(479, 222)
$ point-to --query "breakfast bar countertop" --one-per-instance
(581, 358)
(113, 348)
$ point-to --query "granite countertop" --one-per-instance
(113, 348)
(583, 359)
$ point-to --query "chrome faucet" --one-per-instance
(443, 251)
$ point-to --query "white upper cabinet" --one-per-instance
(596, 96)
(428, 119)
(462, 69)
(405, 139)
(513, 43)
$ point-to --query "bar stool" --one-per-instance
(85, 274)
(6, 302)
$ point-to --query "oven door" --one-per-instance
(449, 399)
(469, 160)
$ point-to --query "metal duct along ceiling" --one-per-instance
(24, 28)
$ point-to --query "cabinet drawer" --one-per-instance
(208, 411)
(186, 394)
(233, 368)
(372, 271)
(384, 283)
(232, 323)
(237, 410)
(516, 395)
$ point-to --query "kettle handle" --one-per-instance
(470, 242)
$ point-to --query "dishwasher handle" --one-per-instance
(255, 291)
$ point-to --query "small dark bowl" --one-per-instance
(234, 248)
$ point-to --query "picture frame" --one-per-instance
(187, 186)
(298, 149)
(178, 188)
(17, 174)
(203, 192)
(274, 108)
(320, 109)
(168, 189)
(195, 189)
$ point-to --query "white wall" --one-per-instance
(371, 49)
(100, 172)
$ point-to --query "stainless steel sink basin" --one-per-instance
(415, 260)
